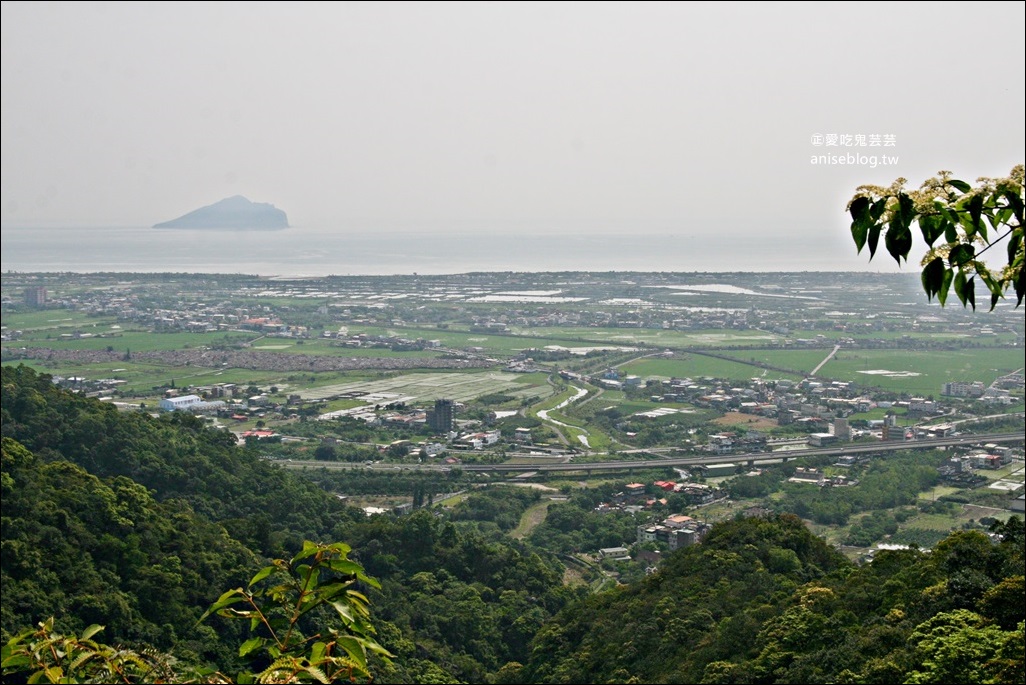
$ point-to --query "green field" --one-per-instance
(657, 337)
(927, 371)
(142, 378)
(326, 348)
(130, 340)
(53, 320)
(800, 361)
(917, 372)
(932, 336)
(490, 342)
(697, 366)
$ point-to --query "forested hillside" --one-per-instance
(764, 601)
(140, 524)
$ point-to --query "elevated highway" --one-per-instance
(752, 458)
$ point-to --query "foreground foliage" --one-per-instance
(967, 221)
(281, 614)
(45, 656)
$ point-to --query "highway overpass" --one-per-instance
(752, 458)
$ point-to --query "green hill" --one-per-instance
(140, 523)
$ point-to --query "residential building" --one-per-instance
(440, 419)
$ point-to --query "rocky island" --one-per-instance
(236, 213)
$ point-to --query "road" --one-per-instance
(828, 358)
(544, 414)
(749, 457)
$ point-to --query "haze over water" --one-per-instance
(304, 251)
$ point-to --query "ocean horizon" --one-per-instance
(309, 252)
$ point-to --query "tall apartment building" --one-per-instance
(440, 419)
(35, 296)
(841, 429)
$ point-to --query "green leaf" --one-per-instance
(345, 566)
(906, 210)
(77, 662)
(51, 674)
(898, 241)
(344, 611)
(960, 185)
(942, 294)
(993, 285)
(959, 284)
(317, 674)
(860, 221)
(1014, 244)
(339, 548)
(309, 549)
(225, 600)
(90, 631)
(261, 574)
(975, 212)
(251, 644)
(961, 254)
(1015, 202)
(373, 582)
(874, 238)
(933, 277)
(331, 590)
(965, 289)
(932, 227)
(16, 660)
(1020, 286)
(878, 208)
(354, 647)
(953, 215)
(999, 219)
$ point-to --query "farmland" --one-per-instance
(541, 368)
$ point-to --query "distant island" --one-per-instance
(234, 212)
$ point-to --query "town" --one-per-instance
(447, 374)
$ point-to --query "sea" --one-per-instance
(315, 252)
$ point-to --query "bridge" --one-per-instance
(752, 458)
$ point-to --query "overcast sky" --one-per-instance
(642, 117)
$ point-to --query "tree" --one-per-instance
(325, 452)
(52, 657)
(321, 576)
(959, 223)
(959, 647)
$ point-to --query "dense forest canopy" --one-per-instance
(140, 524)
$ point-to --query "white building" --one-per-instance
(183, 403)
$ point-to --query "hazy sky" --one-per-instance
(645, 117)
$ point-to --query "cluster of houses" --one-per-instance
(991, 457)
(344, 338)
(815, 476)
(636, 497)
(675, 531)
